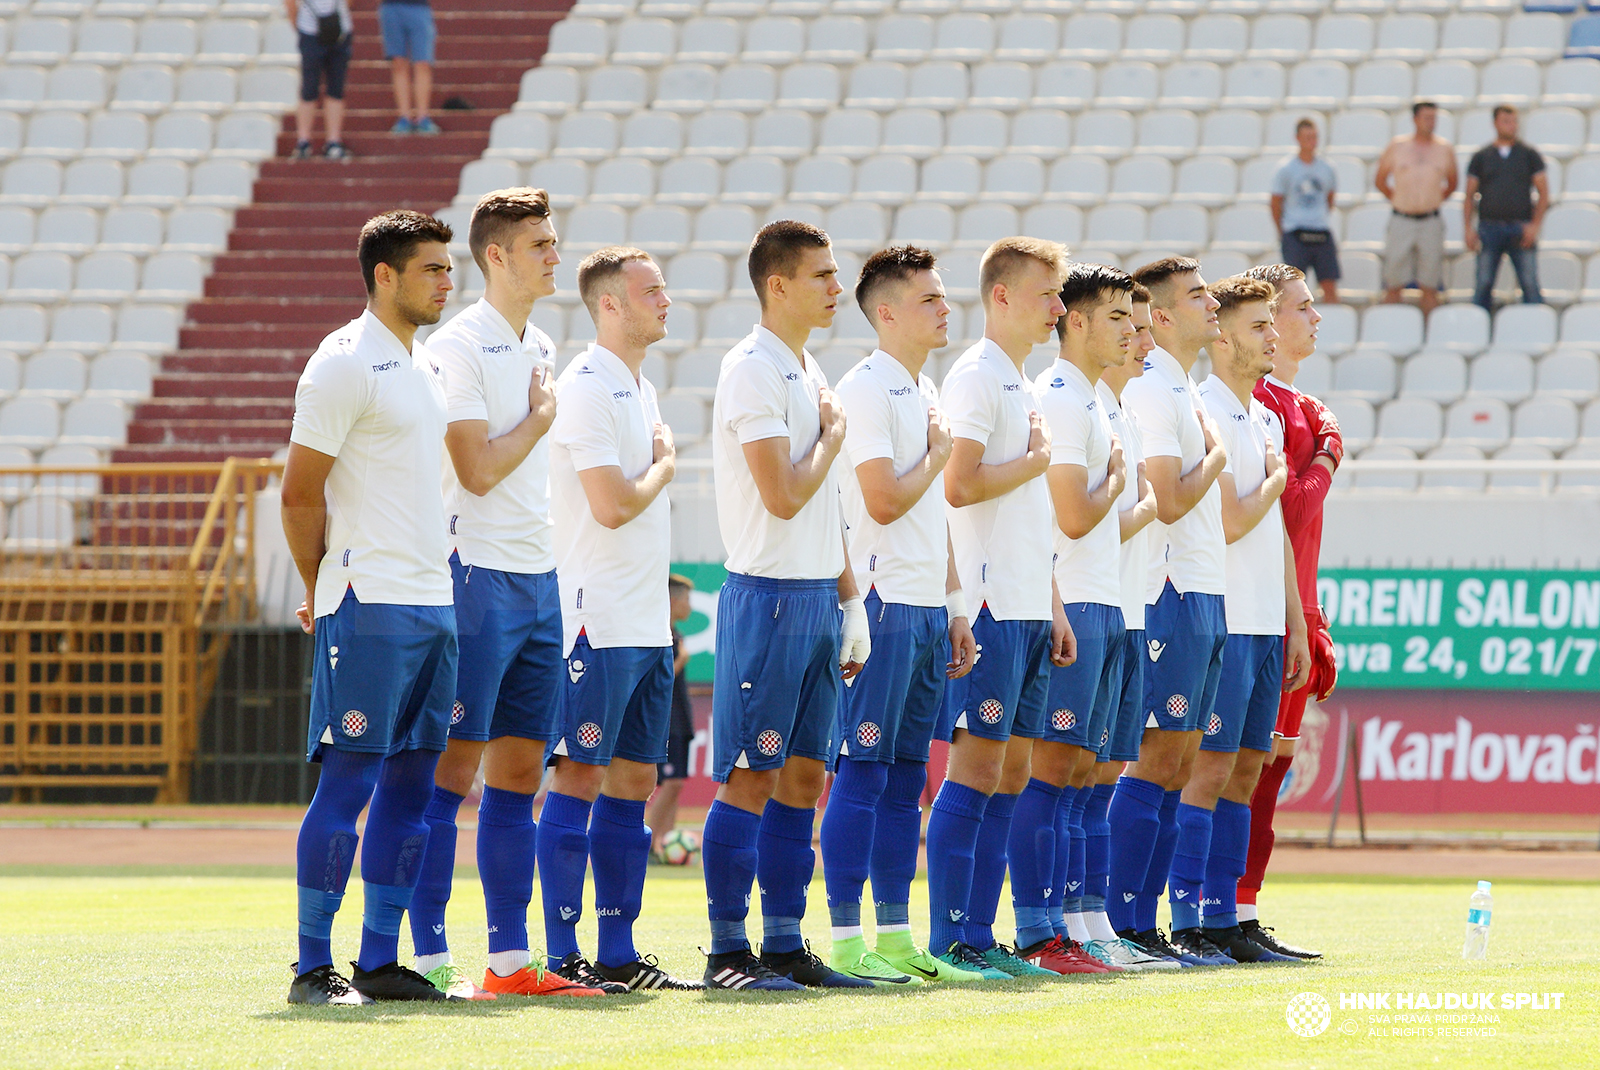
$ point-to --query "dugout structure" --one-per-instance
(117, 586)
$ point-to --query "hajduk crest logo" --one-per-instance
(1177, 706)
(1308, 1015)
(354, 723)
(990, 711)
(457, 712)
(1214, 725)
(769, 743)
(867, 734)
(1063, 720)
(589, 735)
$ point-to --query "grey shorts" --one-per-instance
(1414, 252)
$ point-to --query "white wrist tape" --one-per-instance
(955, 603)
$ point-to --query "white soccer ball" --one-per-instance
(679, 847)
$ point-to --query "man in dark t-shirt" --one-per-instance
(1500, 182)
(662, 815)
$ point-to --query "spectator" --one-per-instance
(1416, 174)
(324, 27)
(1302, 197)
(662, 816)
(1501, 173)
(408, 36)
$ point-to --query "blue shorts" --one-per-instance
(1184, 637)
(382, 678)
(1004, 694)
(1083, 694)
(1248, 697)
(1321, 257)
(408, 31)
(1126, 730)
(775, 692)
(617, 703)
(887, 713)
(509, 683)
(323, 66)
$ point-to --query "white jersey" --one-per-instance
(1002, 546)
(613, 580)
(887, 417)
(378, 411)
(764, 392)
(1255, 602)
(1086, 569)
(1134, 561)
(1165, 401)
(487, 372)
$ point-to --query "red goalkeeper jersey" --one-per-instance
(1308, 484)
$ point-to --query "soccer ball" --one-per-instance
(679, 847)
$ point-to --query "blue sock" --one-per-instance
(728, 858)
(896, 840)
(1230, 847)
(1058, 880)
(562, 846)
(392, 855)
(506, 837)
(1155, 880)
(1188, 872)
(1073, 902)
(1097, 848)
(989, 869)
(1031, 853)
(619, 850)
(326, 849)
(952, 840)
(848, 827)
(438, 867)
(784, 865)
(1135, 819)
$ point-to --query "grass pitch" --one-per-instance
(132, 969)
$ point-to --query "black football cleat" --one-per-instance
(323, 986)
(395, 982)
(1257, 933)
(804, 967)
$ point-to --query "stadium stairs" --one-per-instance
(289, 275)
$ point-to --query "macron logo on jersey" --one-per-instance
(501, 348)
(620, 394)
(901, 392)
(389, 367)
(792, 376)
(1010, 386)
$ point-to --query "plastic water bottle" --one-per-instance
(1479, 909)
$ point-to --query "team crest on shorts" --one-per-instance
(769, 743)
(588, 735)
(1105, 737)
(457, 712)
(1177, 706)
(354, 723)
(990, 711)
(867, 734)
(1214, 725)
(1063, 720)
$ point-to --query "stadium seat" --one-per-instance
(644, 42)
(1211, 181)
(850, 133)
(1192, 85)
(1572, 82)
(148, 328)
(1396, 329)
(719, 134)
(106, 40)
(87, 328)
(1452, 83)
(1361, 133)
(1026, 38)
(120, 375)
(965, 38)
(685, 87)
(1540, 37)
(1168, 133)
(42, 277)
(1403, 480)
(40, 523)
(663, 229)
(1245, 228)
(1572, 374)
(774, 39)
(15, 486)
(928, 225)
(1510, 81)
(759, 180)
(518, 135)
(107, 277)
(1082, 180)
(1067, 85)
(1412, 423)
(1285, 38)
(1481, 422)
(1234, 134)
(1501, 374)
(230, 42)
(1143, 180)
(66, 229)
(688, 180)
(1217, 38)
(1471, 37)
(1062, 222)
(1367, 374)
(623, 181)
(578, 42)
(57, 375)
(1469, 480)
(614, 90)
(1343, 37)
(978, 132)
(1013, 180)
(1128, 85)
(1091, 37)
(1408, 37)
(552, 90)
(1041, 132)
(809, 87)
(1104, 133)
(1385, 84)
(1153, 38)
(1525, 328)
(1550, 422)
(1458, 329)
(1357, 420)
(97, 421)
(30, 423)
(1003, 86)
(1320, 84)
(708, 40)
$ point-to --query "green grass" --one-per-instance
(107, 969)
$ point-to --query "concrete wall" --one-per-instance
(1443, 529)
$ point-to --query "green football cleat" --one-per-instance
(1002, 958)
(871, 966)
(966, 957)
(919, 963)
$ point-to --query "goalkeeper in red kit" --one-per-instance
(1313, 449)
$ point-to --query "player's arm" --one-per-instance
(1134, 520)
(1468, 235)
(1530, 229)
(1297, 644)
(1078, 509)
(968, 481)
(1063, 643)
(1277, 211)
(1455, 175)
(304, 506)
(1178, 492)
(482, 462)
(963, 647)
(855, 637)
(785, 486)
(1383, 181)
(1241, 514)
(614, 499)
(888, 497)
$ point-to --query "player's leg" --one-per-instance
(661, 813)
(324, 855)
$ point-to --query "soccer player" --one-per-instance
(1000, 525)
(497, 370)
(1184, 623)
(897, 443)
(1086, 476)
(790, 621)
(1262, 604)
(1312, 447)
(365, 523)
(661, 814)
(611, 459)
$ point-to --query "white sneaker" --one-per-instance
(1129, 956)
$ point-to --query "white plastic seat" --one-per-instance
(481, 176)
(131, 230)
(817, 180)
(688, 180)
(1412, 423)
(1395, 329)
(1337, 332)
(96, 183)
(979, 223)
(724, 228)
(853, 133)
(1343, 37)
(232, 42)
(16, 486)
(1315, 376)
(54, 374)
(887, 178)
(709, 40)
(1091, 37)
(685, 87)
(1435, 376)
(578, 42)
(1081, 180)
(1525, 328)
(615, 90)
(938, 84)
(75, 486)
(776, 40)
(879, 86)
(1014, 179)
(966, 38)
(1550, 422)
(587, 136)
(721, 135)
(1104, 133)
(1361, 133)
(1211, 181)
(147, 89)
(1319, 83)
(1559, 132)
(1041, 132)
(1177, 229)
(56, 135)
(1385, 84)
(698, 277)
(10, 133)
(1357, 420)
(914, 132)
(902, 38)
(1170, 133)
(1481, 422)
(1472, 37)
(1067, 85)
(85, 328)
(857, 227)
(729, 321)
(550, 90)
(1218, 38)
(182, 135)
(812, 87)
(623, 181)
(950, 178)
(31, 423)
(1119, 228)
(101, 422)
(76, 86)
(1574, 82)
(1451, 83)
(1540, 37)
(1510, 81)
(41, 523)
(1143, 180)
(148, 328)
(66, 229)
(1580, 326)
(591, 226)
(1385, 480)
(1128, 85)
(1365, 373)
(1154, 38)
(1459, 329)
(1027, 38)
(1193, 85)
(663, 229)
(519, 135)
(785, 134)
(652, 136)
(106, 277)
(1411, 37)
(1245, 228)
(105, 40)
(1285, 38)
(16, 230)
(31, 182)
(929, 225)
(1573, 374)
(21, 87)
(644, 42)
(979, 132)
(1002, 86)
(1232, 134)
(207, 89)
(40, 40)
(1471, 480)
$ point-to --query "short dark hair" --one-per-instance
(600, 271)
(1419, 105)
(1275, 275)
(1156, 275)
(886, 268)
(1141, 295)
(777, 248)
(1008, 256)
(1303, 123)
(392, 238)
(1236, 290)
(497, 212)
(1502, 109)
(678, 582)
(1087, 286)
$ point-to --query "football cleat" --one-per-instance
(580, 971)
(323, 985)
(394, 981)
(1059, 956)
(534, 980)
(1241, 948)
(740, 971)
(873, 967)
(807, 968)
(1155, 942)
(921, 964)
(1257, 933)
(646, 975)
(1197, 945)
(1129, 956)
(1004, 959)
(452, 980)
(962, 956)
